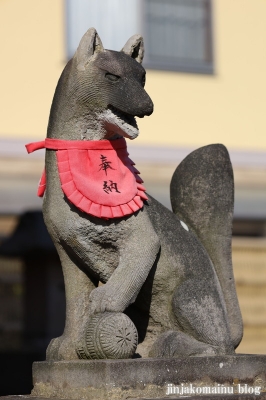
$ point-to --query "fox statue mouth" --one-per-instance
(120, 123)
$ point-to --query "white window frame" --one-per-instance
(120, 19)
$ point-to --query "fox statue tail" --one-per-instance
(202, 195)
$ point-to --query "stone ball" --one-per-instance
(110, 335)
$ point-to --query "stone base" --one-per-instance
(149, 378)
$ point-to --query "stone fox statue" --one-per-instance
(169, 272)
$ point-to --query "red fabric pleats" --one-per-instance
(97, 177)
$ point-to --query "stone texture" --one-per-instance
(120, 379)
(169, 273)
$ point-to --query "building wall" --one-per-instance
(32, 55)
(249, 260)
(228, 107)
(190, 109)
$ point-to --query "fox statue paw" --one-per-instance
(104, 298)
(61, 348)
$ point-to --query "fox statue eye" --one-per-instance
(143, 80)
(112, 77)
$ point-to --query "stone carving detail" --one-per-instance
(169, 272)
(109, 335)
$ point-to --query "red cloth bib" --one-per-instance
(98, 177)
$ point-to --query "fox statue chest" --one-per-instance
(99, 243)
(93, 240)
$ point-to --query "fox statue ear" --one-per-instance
(89, 44)
(134, 47)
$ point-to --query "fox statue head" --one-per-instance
(100, 92)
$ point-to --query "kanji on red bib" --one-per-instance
(97, 177)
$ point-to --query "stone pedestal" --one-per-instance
(152, 378)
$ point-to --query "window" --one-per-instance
(177, 33)
(115, 21)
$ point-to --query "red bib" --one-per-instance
(98, 177)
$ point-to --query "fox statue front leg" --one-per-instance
(78, 287)
(135, 263)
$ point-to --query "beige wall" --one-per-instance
(229, 107)
(190, 110)
(32, 57)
